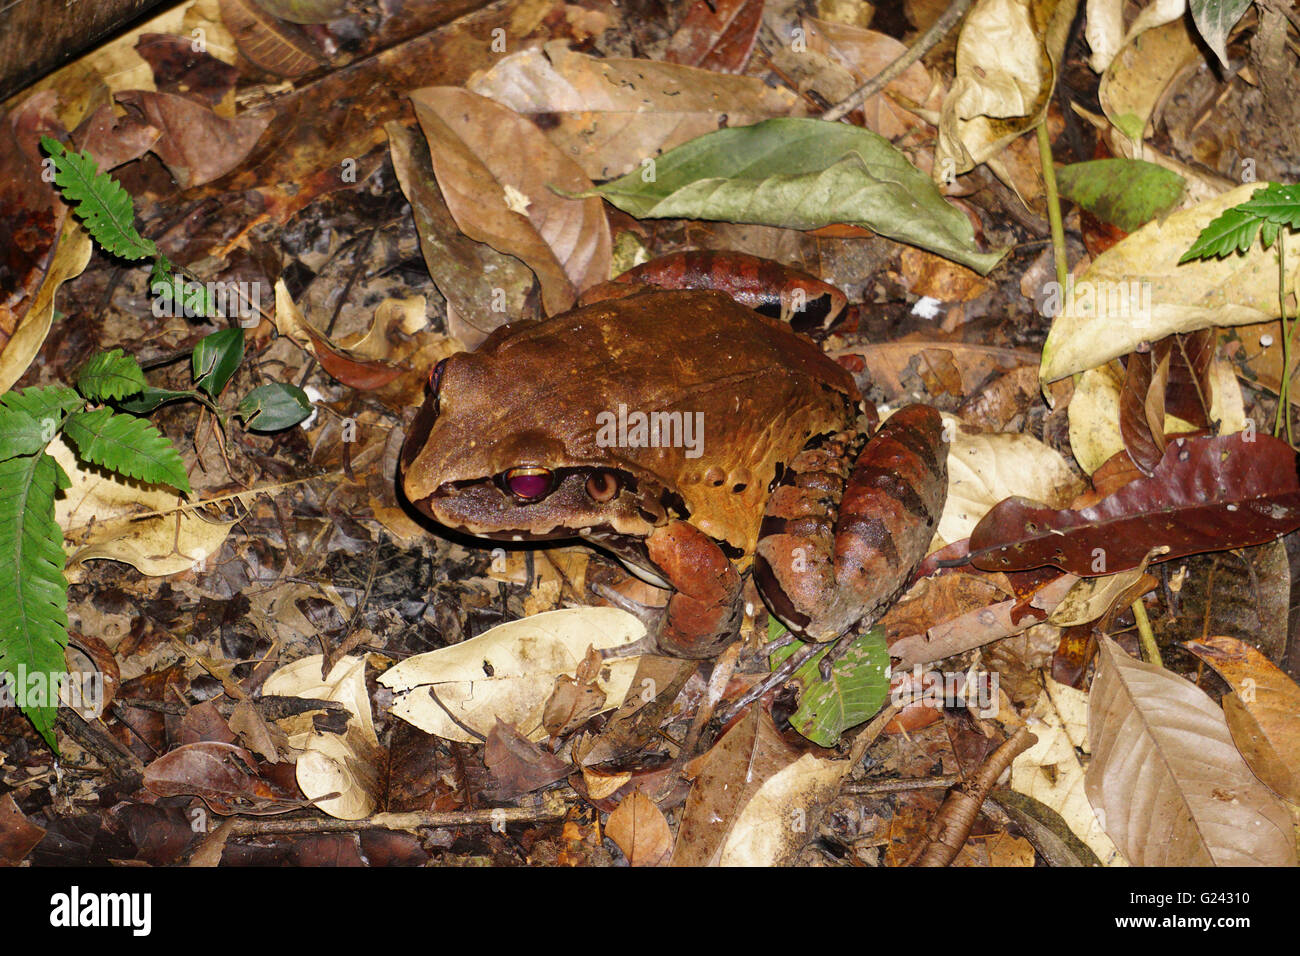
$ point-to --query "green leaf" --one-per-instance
(1125, 192)
(110, 375)
(127, 445)
(1268, 209)
(858, 686)
(1231, 232)
(1215, 20)
(100, 201)
(802, 174)
(216, 358)
(33, 593)
(1276, 203)
(268, 408)
(160, 273)
(152, 397)
(46, 405)
(20, 434)
(44, 402)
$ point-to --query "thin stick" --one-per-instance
(924, 43)
(1053, 202)
(552, 808)
(1146, 635)
(900, 786)
(952, 824)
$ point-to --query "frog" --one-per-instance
(702, 444)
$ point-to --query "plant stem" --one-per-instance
(1053, 201)
(1146, 636)
(1284, 390)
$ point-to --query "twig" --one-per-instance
(554, 806)
(924, 43)
(951, 825)
(900, 786)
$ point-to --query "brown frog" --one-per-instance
(695, 439)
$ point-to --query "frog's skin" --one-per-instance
(509, 446)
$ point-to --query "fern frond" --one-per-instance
(43, 401)
(100, 200)
(20, 434)
(33, 593)
(110, 375)
(127, 445)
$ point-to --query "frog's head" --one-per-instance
(505, 447)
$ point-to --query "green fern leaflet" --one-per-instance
(110, 375)
(1269, 208)
(33, 593)
(127, 445)
(100, 201)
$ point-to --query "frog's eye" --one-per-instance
(602, 486)
(528, 483)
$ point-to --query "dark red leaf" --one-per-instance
(1207, 494)
(717, 35)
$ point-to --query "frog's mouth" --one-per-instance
(536, 504)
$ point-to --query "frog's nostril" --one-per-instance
(528, 483)
(602, 486)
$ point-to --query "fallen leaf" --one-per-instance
(509, 672)
(640, 830)
(1166, 778)
(1263, 712)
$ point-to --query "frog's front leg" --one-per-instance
(838, 546)
(703, 613)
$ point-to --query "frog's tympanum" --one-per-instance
(696, 440)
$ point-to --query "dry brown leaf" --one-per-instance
(107, 516)
(1007, 54)
(496, 169)
(864, 53)
(751, 797)
(1263, 712)
(1167, 780)
(69, 261)
(509, 673)
(1137, 292)
(609, 114)
(279, 48)
(640, 830)
(483, 288)
(197, 146)
(345, 764)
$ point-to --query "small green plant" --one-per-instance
(101, 420)
(33, 593)
(1269, 213)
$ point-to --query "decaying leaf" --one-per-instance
(1166, 778)
(509, 673)
(1263, 712)
(349, 764)
(640, 830)
(1207, 494)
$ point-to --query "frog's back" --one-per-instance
(735, 395)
